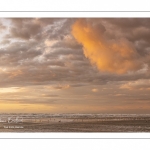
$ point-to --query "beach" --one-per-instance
(74, 123)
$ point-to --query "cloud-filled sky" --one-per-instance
(75, 65)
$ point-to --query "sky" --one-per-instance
(75, 65)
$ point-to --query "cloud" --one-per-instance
(61, 87)
(2, 27)
(4, 42)
(8, 90)
(109, 55)
(31, 28)
(52, 58)
(141, 84)
(25, 28)
(50, 43)
(94, 90)
(15, 73)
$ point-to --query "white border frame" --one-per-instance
(71, 135)
(74, 14)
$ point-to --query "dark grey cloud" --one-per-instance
(35, 28)
(4, 42)
(2, 27)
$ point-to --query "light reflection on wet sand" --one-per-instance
(74, 123)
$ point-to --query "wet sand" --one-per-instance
(77, 123)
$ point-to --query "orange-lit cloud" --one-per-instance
(9, 90)
(15, 73)
(60, 87)
(94, 90)
(109, 55)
